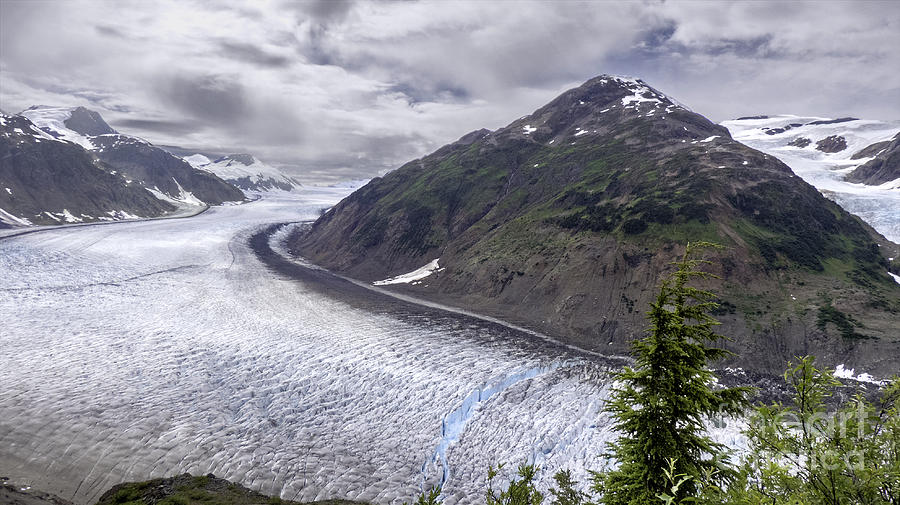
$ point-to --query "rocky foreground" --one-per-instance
(183, 489)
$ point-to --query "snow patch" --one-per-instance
(8, 218)
(415, 275)
(710, 139)
(197, 160)
(68, 217)
(895, 276)
(528, 129)
(849, 373)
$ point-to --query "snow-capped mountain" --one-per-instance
(45, 179)
(827, 154)
(166, 176)
(245, 172)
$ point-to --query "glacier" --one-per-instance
(879, 206)
(135, 350)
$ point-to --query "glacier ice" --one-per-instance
(140, 349)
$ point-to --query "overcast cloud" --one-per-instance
(338, 89)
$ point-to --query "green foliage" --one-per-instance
(127, 495)
(431, 498)
(662, 404)
(707, 491)
(567, 492)
(845, 324)
(804, 454)
(521, 491)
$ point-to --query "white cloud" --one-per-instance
(355, 88)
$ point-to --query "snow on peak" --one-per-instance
(197, 160)
(640, 91)
(52, 120)
(245, 171)
(236, 166)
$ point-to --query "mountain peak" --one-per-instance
(617, 106)
(242, 158)
(610, 90)
(88, 122)
(80, 120)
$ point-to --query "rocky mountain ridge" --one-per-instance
(45, 180)
(883, 165)
(167, 176)
(67, 165)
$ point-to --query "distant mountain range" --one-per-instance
(863, 151)
(565, 219)
(65, 165)
(245, 172)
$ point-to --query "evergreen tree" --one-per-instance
(661, 406)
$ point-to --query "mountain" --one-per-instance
(883, 165)
(564, 220)
(49, 180)
(166, 176)
(245, 172)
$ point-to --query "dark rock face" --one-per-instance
(156, 168)
(832, 144)
(565, 219)
(88, 122)
(834, 121)
(871, 150)
(40, 175)
(883, 168)
(800, 142)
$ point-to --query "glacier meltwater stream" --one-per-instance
(141, 349)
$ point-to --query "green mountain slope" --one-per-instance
(564, 220)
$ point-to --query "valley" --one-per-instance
(141, 349)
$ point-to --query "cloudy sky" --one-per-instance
(341, 89)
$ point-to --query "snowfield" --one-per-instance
(879, 206)
(140, 349)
